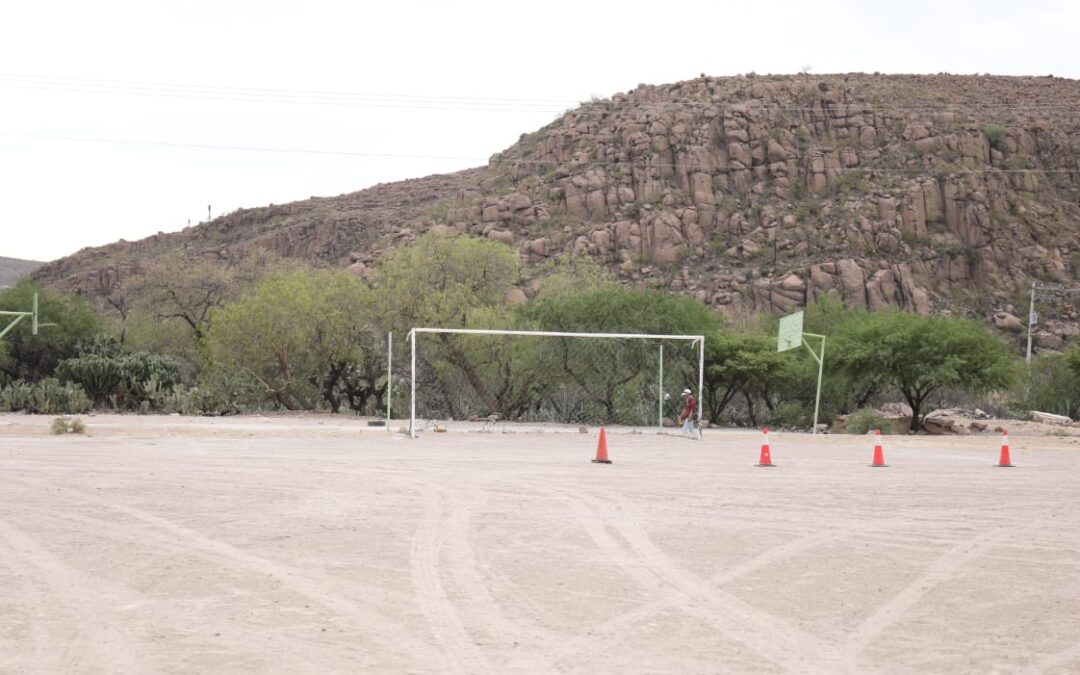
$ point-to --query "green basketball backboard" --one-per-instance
(790, 335)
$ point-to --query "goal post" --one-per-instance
(531, 376)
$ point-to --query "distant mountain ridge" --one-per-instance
(13, 269)
(754, 193)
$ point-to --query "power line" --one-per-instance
(643, 162)
(298, 92)
(462, 103)
(242, 148)
(251, 95)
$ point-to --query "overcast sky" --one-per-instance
(121, 119)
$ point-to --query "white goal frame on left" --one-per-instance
(698, 339)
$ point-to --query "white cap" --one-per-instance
(685, 391)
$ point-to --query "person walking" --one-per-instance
(688, 413)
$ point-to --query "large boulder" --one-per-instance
(1049, 418)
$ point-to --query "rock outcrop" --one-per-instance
(752, 193)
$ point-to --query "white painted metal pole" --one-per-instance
(412, 393)
(545, 333)
(820, 371)
(660, 392)
(701, 386)
(389, 375)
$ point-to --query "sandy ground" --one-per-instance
(315, 544)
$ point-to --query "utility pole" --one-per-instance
(1048, 291)
(1032, 319)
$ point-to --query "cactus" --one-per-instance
(15, 396)
(129, 380)
(100, 376)
(48, 396)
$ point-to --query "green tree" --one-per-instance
(440, 279)
(920, 355)
(290, 340)
(738, 363)
(167, 305)
(605, 369)
(32, 357)
(453, 281)
(790, 392)
(1051, 383)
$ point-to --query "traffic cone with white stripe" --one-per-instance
(879, 454)
(766, 457)
(1004, 461)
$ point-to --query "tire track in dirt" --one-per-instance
(734, 619)
(609, 632)
(940, 570)
(215, 550)
(1059, 659)
(346, 598)
(463, 655)
(99, 635)
(28, 594)
(613, 628)
(760, 621)
(143, 537)
(483, 607)
(772, 636)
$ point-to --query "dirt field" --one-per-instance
(315, 544)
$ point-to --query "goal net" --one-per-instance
(507, 377)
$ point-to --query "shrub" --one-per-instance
(63, 425)
(791, 415)
(100, 376)
(31, 357)
(120, 379)
(1049, 385)
(169, 399)
(15, 396)
(47, 397)
(995, 133)
(866, 420)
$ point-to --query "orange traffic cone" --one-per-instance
(766, 457)
(879, 454)
(601, 449)
(1004, 461)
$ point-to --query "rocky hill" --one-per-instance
(935, 193)
(13, 269)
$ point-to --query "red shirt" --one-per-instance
(691, 407)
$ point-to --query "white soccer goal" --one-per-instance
(519, 376)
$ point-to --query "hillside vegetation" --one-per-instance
(205, 337)
(932, 194)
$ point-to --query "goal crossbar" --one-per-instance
(548, 333)
(693, 339)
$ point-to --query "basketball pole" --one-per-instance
(820, 358)
(19, 316)
(789, 336)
